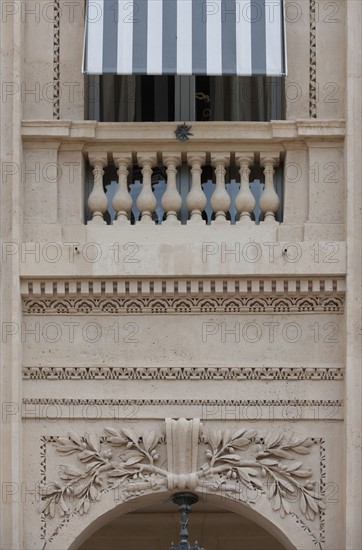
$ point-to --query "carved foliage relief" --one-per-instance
(244, 464)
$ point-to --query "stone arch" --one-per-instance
(182, 443)
(77, 530)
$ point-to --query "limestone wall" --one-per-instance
(128, 327)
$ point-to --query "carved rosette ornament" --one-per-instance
(241, 463)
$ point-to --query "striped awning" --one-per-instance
(185, 37)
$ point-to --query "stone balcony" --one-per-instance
(192, 227)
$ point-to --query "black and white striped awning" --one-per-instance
(185, 37)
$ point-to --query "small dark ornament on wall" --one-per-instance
(182, 132)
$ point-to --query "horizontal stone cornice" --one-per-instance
(182, 286)
(216, 135)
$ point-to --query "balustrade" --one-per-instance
(244, 201)
(171, 201)
(122, 200)
(146, 202)
(196, 199)
(269, 201)
(161, 195)
(97, 201)
(220, 200)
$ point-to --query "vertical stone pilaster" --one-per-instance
(353, 383)
(11, 513)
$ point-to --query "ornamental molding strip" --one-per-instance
(183, 373)
(241, 463)
(56, 61)
(312, 59)
(162, 305)
(333, 403)
(170, 295)
(182, 286)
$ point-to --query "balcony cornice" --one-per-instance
(144, 134)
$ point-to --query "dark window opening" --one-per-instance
(116, 98)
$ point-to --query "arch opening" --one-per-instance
(77, 531)
(155, 526)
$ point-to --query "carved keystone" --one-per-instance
(182, 438)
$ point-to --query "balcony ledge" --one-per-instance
(276, 131)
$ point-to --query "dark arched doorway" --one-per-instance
(155, 527)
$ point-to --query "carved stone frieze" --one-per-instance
(187, 305)
(334, 403)
(56, 61)
(154, 296)
(183, 373)
(312, 60)
(240, 462)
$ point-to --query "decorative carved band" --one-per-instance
(181, 287)
(323, 475)
(56, 61)
(161, 305)
(312, 60)
(334, 403)
(241, 463)
(183, 373)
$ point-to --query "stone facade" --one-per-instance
(141, 360)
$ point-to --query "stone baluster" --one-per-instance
(97, 201)
(269, 200)
(196, 199)
(244, 200)
(220, 200)
(122, 200)
(171, 201)
(146, 202)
